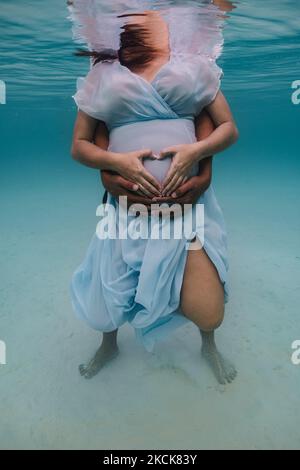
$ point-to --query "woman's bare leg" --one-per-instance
(202, 301)
(107, 351)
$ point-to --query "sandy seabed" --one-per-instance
(168, 399)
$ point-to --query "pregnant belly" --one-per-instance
(155, 134)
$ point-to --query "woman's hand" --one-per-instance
(184, 157)
(190, 191)
(130, 167)
(187, 193)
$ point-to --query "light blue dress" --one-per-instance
(139, 280)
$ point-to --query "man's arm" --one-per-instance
(101, 138)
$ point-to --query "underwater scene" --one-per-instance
(167, 398)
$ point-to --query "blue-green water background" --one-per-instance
(48, 208)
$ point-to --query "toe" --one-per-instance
(82, 369)
(222, 380)
(232, 375)
(89, 374)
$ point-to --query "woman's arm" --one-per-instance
(112, 182)
(225, 133)
(185, 156)
(127, 164)
(189, 192)
(85, 151)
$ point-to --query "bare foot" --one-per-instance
(106, 353)
(224, 371)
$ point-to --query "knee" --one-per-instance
(207, 313)
(211, 318)
(211, 321)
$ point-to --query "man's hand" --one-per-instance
(188, 193)
(118, 186)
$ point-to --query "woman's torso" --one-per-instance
(156, 134)
(141, 114)
(180, 90)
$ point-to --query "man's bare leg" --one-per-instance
(107, 351)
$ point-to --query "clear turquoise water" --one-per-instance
(169, 399)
